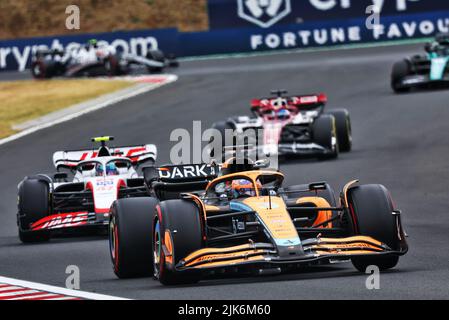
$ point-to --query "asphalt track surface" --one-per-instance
(400, 141)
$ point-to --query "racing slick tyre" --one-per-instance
(325, 135)
(112, 67)
(344, 129)
(172, 61)
(401, 69)
(33, 206)
(182, 220)
(158, 56)
(130, 237)
(371, 210)
(40, 69)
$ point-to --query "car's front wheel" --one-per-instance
(177, 232)
(343, 128)
(400, 70)
(130, 237)
(325, 135)
(33, 206)
(372, 215)
(158, 56)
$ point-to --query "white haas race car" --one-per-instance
(292, 125)
(96, 59)
(49, 205)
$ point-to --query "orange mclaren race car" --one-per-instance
(247, 222)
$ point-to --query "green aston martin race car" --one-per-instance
(426, 70)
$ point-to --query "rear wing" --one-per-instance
(298, 101)
(137, 155)
(48, 52)
(168, 182)
(442, 37)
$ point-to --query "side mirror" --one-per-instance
(262, 164)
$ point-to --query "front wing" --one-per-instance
(421, 80)
(315, 251)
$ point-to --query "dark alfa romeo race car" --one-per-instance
(294, 125)
(425, 70)
(95, 60)
(201, 220)
(49, 204)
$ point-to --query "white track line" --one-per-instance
(43, 291)
(114, 98)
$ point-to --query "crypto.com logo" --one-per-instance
(264, 13)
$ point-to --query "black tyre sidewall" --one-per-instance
(131, 220)
(182, 219)
(324, 130)
(371, 211)
(158, 56)
(114, 68)
(400, 70)
(344, 129)
(33, 205)
(43, 69)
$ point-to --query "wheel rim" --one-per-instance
(37, 70)
(113, 242)
(157, 248)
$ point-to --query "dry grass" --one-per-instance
(25, 100)
(29, 18)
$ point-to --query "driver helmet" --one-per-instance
(92, 43)
(283, 114)
(111, 169)
(99, 170)
(244, 188)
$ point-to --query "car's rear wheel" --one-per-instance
(325, 135)
(343, 128)
(158, 56)
(371, 211)
(33, 205)
(177, 229)
(130, 237)
(400, 70)
(112, 67)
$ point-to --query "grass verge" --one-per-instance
(21, 101)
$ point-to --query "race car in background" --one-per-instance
(423, 70)
(294, 125)
(200, 220)
(93, 60)
(52, 204)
